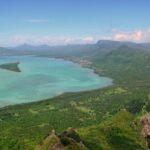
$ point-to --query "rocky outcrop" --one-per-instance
(145, 121)
(69, 139)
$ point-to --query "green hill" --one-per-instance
(120, 132)
(105, 118)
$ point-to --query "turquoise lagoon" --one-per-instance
(41, 78)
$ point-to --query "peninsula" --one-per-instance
(11, 66)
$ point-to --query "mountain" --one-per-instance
(101, 48)
(3, 50)
(116, 44)
(27, 47)
(146, 46)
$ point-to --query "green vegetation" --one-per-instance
(105, 118)
(11, 66)
(121, 131)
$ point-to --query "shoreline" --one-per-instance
(83, 65)
(49, 99)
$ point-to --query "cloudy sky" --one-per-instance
(60, 22)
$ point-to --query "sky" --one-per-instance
(61, 22)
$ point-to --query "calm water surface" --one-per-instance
(42, 78)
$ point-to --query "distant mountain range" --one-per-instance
(101, 43)
(100, 48)
(31, 47)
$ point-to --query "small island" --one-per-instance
(11, 66)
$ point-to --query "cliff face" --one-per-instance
(67, 140)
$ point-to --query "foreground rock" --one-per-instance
(145, 121)
(65, 141)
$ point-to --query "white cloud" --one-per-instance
(135, 36)
(69, 40)
(18, 39)
(37, 20)
(88, 39)
(129, 36)
(50, 40)
(120, 35)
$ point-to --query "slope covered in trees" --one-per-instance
(106, 118)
